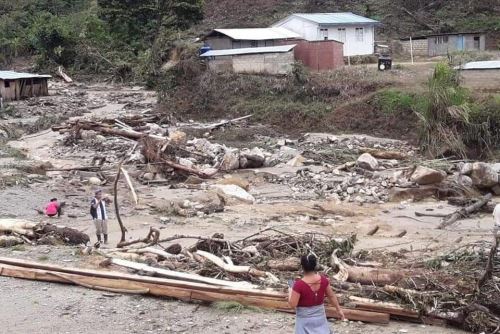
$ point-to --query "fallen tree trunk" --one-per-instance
(464, 212)
(369, 276)
(288, 264)
(179, 275)
(190, 292)
(20, 226)
(383, 307)
(231, 268)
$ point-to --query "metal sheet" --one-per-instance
(232, 52)
(10, 75)
(258, 34)
(482, 65)
(336, 18)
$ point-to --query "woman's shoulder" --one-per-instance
(325, 279)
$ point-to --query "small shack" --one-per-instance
(16, 86)
(267, 60)
(223, 39)
(483, 75)
(320, 55)
(445, 43)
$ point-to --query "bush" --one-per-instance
(391, 101)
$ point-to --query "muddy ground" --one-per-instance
(50, 308)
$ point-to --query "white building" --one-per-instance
(356, 32)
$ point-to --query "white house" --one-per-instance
(355, 31)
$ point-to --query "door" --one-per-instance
(460, 42)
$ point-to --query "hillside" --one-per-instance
(399, 17)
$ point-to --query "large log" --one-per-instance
(384, 154)
(383, 307)
(179, 275)
(186, 294)
(19, 226)
(369, 276)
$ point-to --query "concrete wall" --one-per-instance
(486, 80)
(267, 63)
(420, 47)
(225, 43)
(352, 47)
(23, 88)
(442, 45)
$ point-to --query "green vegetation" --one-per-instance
(118, 37)
(234, 307)
(452, 121)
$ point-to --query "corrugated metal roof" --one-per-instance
(482, 65)
(336, 18)
(11, 75)
(232, 52)
(259, 34)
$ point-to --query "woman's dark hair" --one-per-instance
(53, 199)
(308, 263)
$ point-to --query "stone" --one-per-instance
(255, 158)
(178, 137)
(237, 181)
(233, 193)
(424, 175)
(350, 190)
(287, 152)
(148, 176)
(94, 181)
(298, 161)
(194, 180)
(465, 181)
(186, 162)
(230, 161)
(483, 175)
(466, 169)
(366, 161)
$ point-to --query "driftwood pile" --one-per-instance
(17, 231)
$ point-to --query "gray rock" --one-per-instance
(148, 176)
(465, 181)
(483, 175)
(94, 181)
(424, 175)
(466, 169)
(186, 162)
(496, 189)
(366, 161)
(230, 161)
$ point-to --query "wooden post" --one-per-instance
(411, 50)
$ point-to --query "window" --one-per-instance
(254, 44)
(342, 35)
(236, 44)
(441, 40)
(324, 34)
(359, 34)
(7, 83)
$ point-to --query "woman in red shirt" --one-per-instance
(307, 296)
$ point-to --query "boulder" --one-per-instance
(178, 138)
(424, 175)
(298, 161)
(496, 189)
(230, 161)
(465, 181)
(366, 161)
(466, 169)
(233, 193)
(148, 176)
(95, 181)
(254, 158)
(483, 175)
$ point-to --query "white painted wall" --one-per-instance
(352, 47)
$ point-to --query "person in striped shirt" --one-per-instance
(100, 215)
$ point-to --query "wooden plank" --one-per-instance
(138, 278)
(383, 307)
(186, 294)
